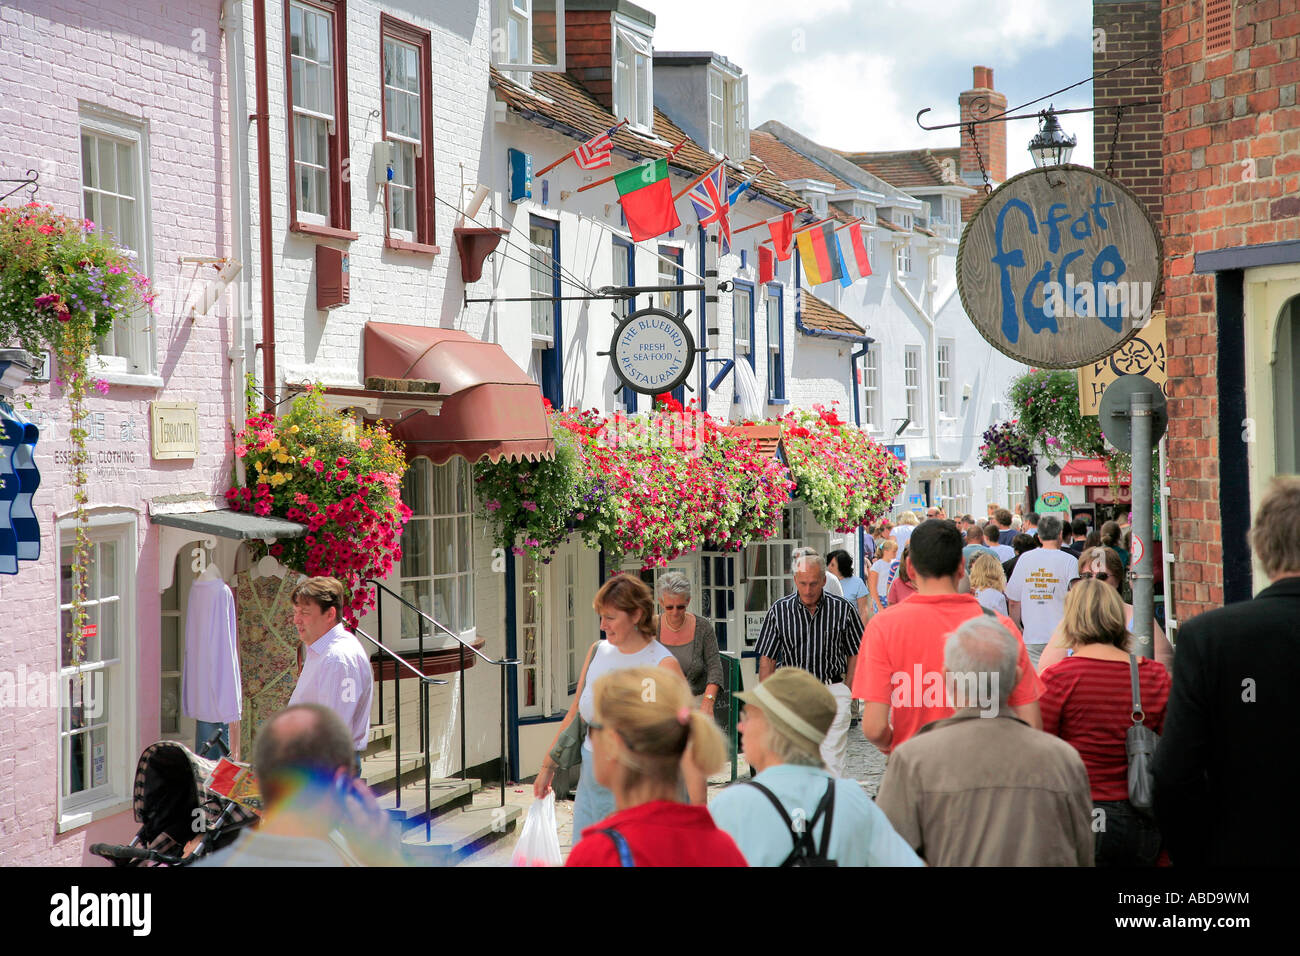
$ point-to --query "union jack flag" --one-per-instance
(595, 152)
(709, 197)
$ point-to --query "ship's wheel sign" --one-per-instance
(1138, 357)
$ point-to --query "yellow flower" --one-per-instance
(293, 429)
(275, 444)
(257, 465)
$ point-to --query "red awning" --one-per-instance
(491, 408)
(1089, 472)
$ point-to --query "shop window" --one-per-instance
(437, 551)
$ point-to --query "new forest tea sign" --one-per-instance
(1059, 267)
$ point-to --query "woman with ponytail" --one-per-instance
(643, 730)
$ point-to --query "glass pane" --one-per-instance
(109, 627)
(65, 638)
(443, 545)
(171, 705)
(757, 560)
(295, 30)
(171, 644)
(464, 551)
(418, 593)
(444, 597)
(466, 601)
(404, 168)
(529, 653)
(89, 174)
(107, 569)
(444, 489)
(415, 486)
(326, 91)
(756, 598)
(108, 219)
(126, 179)
(65, 575)
(297, 70)
(530, 687)
(108, 164)
(415, 549)
(75, 776)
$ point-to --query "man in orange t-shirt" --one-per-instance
(901, 672)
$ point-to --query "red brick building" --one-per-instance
(1231, 227)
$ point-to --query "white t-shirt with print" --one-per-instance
(1039, 583)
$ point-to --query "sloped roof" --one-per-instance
(559, 100)
(909, 168)
(819, 314)
(789, 164)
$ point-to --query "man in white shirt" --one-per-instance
(1036, 591)
(336, 671)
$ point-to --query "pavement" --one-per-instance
(863, 763)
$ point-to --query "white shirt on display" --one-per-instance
(210, 684)
(337, 674)
(1039, 582)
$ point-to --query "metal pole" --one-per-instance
(503, 734)
(1141, 569)
(462, 711)
(380, 601)
(428, 770)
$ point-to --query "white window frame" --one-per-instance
(114, 796)
(943, 376)
(295, 111)
(728, 109)
(401, 143)
(408, 639)
(955, 495)
(183, 578)
(543, 334)
(1017, 483)
(795, 523)
(903, 256)
(635, 105)
(556, 656)
(871, 393)
(521, 13)
(138, 362)
(914, 398)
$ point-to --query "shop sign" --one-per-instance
(1144, 355)
(753, 627)
(175, 429)
(898, 451)
(1050, 501)
(521, 175)
(1059, 267)
(653, 351)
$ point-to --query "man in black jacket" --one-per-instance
(1226, 774)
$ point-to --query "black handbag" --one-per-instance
(1140, 744)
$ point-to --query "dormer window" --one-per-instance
(903, 219)
(818, 206)
(528, 36)
(632, 58)
(728, 114)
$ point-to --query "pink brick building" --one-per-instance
(123, 113)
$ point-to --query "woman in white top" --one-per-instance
(840, 564)
(987, 582)
(627, 616)
(878, 576)
(907, 522)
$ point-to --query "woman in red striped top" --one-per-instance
(1087, 702)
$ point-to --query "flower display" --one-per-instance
(63, 284)
(1005, 444)
(846, 479)
(352, 506)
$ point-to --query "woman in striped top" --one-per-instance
(1087, 702)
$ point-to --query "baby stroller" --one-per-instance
(173, 805)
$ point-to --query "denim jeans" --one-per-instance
(592, 803)
(203, 731)
(1128, 836)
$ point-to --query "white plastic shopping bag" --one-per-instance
(539, 845)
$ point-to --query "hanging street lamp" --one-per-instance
(1050, 146)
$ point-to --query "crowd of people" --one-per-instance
(1003, 692)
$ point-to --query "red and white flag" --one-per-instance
(595, 152)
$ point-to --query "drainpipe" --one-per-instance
(262, 117)
(240, 219)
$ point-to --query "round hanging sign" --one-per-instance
(653, 351)
(1059, 267)
(1050, 501)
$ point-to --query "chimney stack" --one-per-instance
(991, 137)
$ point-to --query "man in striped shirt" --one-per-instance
(819, 633)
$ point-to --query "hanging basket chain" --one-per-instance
(988, 185)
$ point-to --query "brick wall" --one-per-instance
(991, 138)
(1122, 32)
(589, 52)
(1231, 172)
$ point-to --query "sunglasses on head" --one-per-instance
(1099, 575)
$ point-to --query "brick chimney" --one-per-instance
(991, 137)
(589, 52)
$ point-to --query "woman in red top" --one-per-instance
(644, 724)
(1088, 702)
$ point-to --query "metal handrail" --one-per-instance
(425, 683)
(463, 645)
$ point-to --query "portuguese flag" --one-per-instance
(820, 253)
(647, 200)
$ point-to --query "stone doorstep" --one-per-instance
(444, 795)
(456, 836)
(382, 769)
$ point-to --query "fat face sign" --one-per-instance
(653, 351)
(1059, 267)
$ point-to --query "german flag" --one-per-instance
(819, 252)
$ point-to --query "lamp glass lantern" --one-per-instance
(1050, 146)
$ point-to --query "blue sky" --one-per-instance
(852, 74)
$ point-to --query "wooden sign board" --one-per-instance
(1059, 267)
(1144, 354)
(175, 429)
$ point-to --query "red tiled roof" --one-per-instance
(820, 314)
(562, 99)
(787, 163)
(909, 167)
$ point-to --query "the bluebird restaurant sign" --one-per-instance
(1059, 267)
(653, 351)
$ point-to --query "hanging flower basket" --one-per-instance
(313, 466)
(1007, 446)
(63, 286)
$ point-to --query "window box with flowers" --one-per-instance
(63, 286)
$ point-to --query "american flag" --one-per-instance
(595, 152)
(710, 200)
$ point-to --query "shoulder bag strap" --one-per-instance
(1137, 715)
(620, 844)
(774, 801)
(827, 805)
